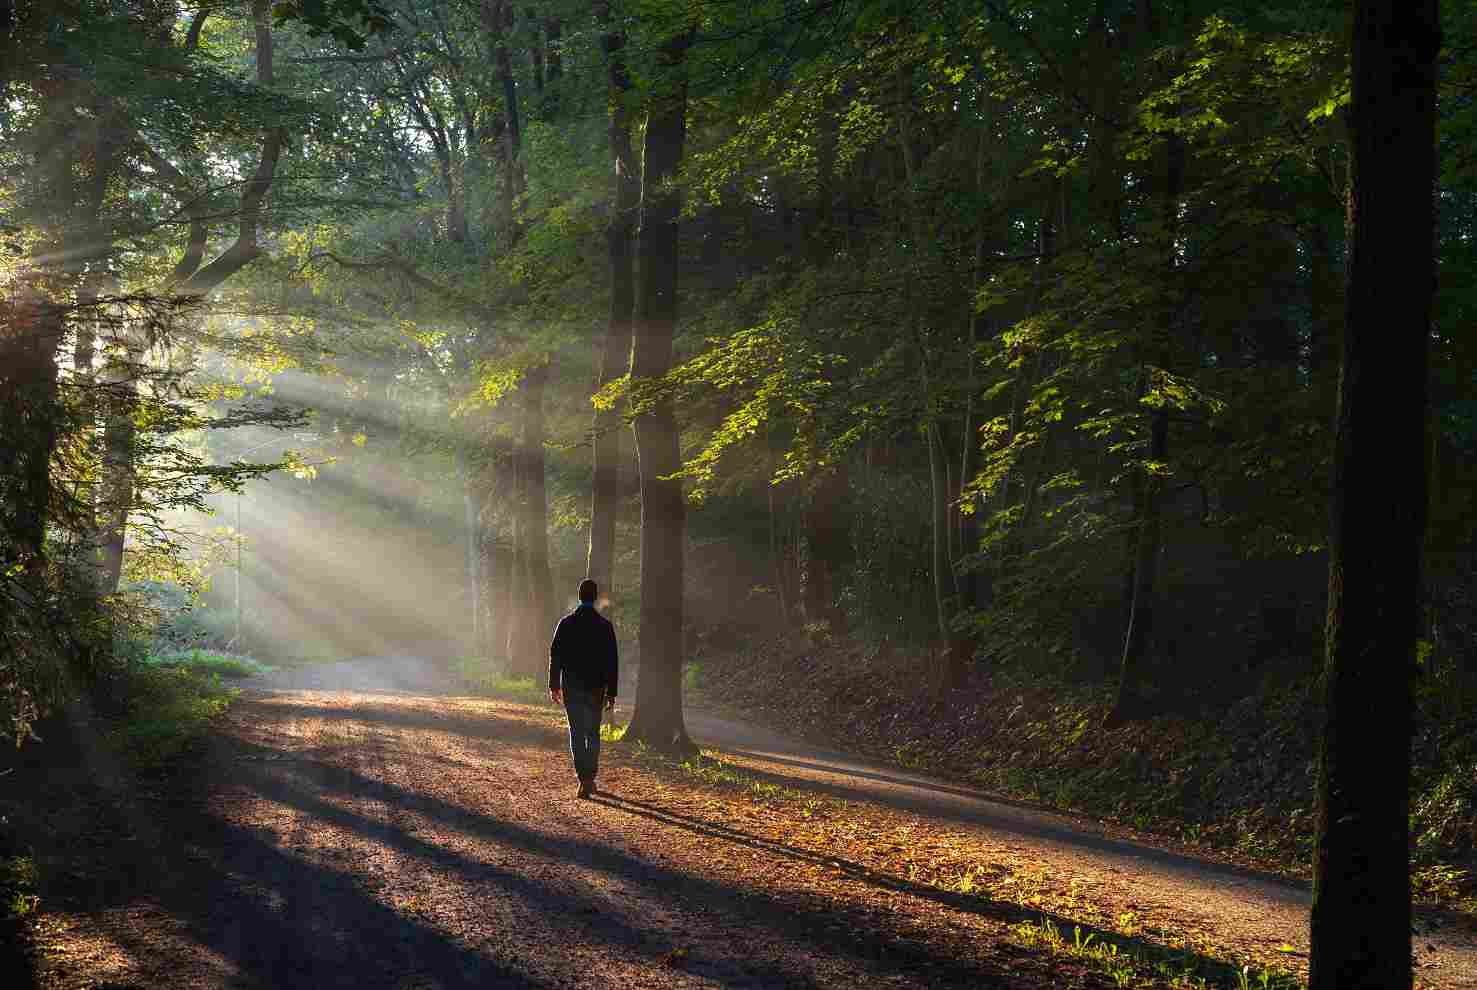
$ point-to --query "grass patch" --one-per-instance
(1128, 961)
(710, 768)
(612, 733)
(208, 662)
(169, 705)
(482, 676)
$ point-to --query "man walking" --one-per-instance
(583, 668)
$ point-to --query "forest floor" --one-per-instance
(356, 825)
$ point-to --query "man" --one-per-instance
(583, 668)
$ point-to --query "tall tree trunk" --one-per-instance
(530, 608)
(620, 234)
(938, 528)
(657, 719)
(515, 610)
(962, 646)
(535, 526)
(828, 533)
(1361, 915)
(30, 334)
(471, 533)
(827, 520)
(778, 571)
(497, 23)
(116, 492)
(1132, 700)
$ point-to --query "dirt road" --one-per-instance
(353, 826)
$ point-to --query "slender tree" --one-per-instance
(1361, 915)
(620, 235)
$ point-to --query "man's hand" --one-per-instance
(610, 703)
(556, 695)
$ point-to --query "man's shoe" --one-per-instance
(586, 790)
(590, 788)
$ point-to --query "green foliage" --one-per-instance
(18, 898)
(169, 706)
(205, 662)
(483, 676)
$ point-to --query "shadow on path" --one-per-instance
(942, 801)
(1179, 961)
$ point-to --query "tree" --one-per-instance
(657, 719)
(1360, 923)
(620, 236)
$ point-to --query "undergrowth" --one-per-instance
(482, 676)
(1238, 780)
(1126, 962)
(169, 705)
(18, 905)
(208, 661)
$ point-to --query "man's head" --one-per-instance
(589, 590)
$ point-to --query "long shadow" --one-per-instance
(675, 888)
(770, 913)
(274, 919)
(598, 917)
(327, 932)
(495, 728)
(1000, 814)
(1204, 966)
(975, 808)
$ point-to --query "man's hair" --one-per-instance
(588, 590)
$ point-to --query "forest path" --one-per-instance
(1256, 914)
(355, 825)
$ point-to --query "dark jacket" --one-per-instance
(583, 653)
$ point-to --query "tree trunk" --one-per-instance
(515, 610)
(1361, 915)
(1132, 700)
(531, 618)
(962, 646)
(620, 234)
(828, 532)
(116, 491)
(471, 526)
(536, 518)
(776, 553)
(657, 719)
(30, 334)
(1133, 690)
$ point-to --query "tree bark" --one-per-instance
(1361, 916)
(30, 334)
(657, 719)
(530, 618)
(536, 516)
(471, 533)
(620, 234)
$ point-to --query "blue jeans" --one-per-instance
(583, 708)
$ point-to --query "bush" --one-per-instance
(168, 707)
(206, 661)
(484, 676)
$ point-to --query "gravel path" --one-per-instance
(353, 826)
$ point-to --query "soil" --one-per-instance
(354, 825)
